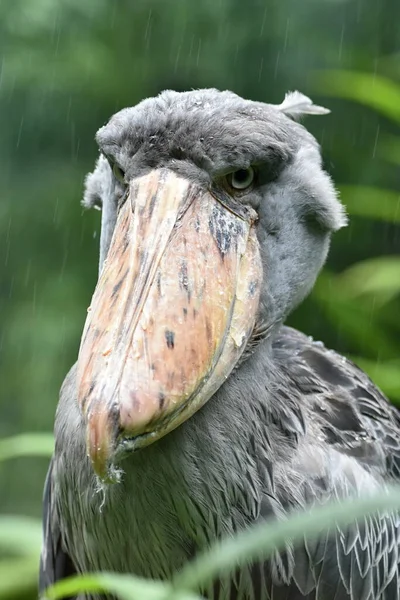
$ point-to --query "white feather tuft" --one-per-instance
(295, 105)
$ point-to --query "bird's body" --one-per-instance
(292, 426)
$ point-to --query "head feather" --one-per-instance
(296, 104)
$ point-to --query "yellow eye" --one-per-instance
(118, 173)
(241, 179)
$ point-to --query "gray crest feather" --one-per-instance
(296, 104)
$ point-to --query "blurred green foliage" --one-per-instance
(66, 66)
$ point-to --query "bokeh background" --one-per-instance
(66, 66)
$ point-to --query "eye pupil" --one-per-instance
(241, 175)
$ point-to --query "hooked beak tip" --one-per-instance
(102, 431)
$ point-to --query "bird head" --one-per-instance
(216, 219)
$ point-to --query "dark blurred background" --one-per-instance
(67, 66)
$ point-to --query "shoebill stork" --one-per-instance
(192, 411)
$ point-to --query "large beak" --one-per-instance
(173, 309)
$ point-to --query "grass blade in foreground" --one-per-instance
(125, 586)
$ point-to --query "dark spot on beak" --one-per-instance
(114, 418)
(135, 402)
(184, 279)
(161, 400)
(86, 398)
(87, 332)
(170, 338)
(224, 230)
(116, 287)
(125, 242)
(184, 312)
(252, 288)
(208, 332)
(220, 242)
(152, 204)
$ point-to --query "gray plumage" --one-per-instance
(294, 425)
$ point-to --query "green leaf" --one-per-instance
(27, 444)
(377, 92)
(126, 587)
(21, 535)
(260, 540)
(372, 276)
(371, 203)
